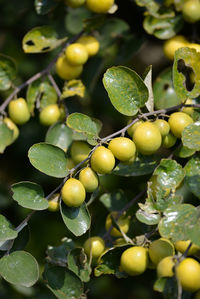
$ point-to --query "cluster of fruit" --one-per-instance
(97, 6)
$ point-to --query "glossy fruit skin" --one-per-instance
(191, 11)
(163, 126)
(165, 267)
(89, 179)
(49, 115)
(188, 274)
(188, 110)
(91, 43)
(18, 111)
(134, 260)
(97, 6)
(159, 249)
(102, 160)
(76, 54)
(178, 121)
(74, 3)
(12, 126)
(173, 44)
(122, 148)
(67, 71)
(73, 193)
(95, 245)
(54, 203)
(169, 140)
(147, 138)
(79, 151)
(123, 222)
(131, 129)
(181, 246)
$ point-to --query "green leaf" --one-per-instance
(184, 152)
(147, 214)
(126, 89)
(21, 241)
(190, 58)
(19, 268)
(63, 283)
(192, 178)
(75, 17)
(148, 82)
(114, 201)
(43, 7)
(181, 222)
(73, 88)
(78, 263)
(59, 253)
(33, 94)
(6, 136)
(59, 135)
(41, 39)
(77, 220)
(7, 72)
(7, 232)
(29, 195)
(48, 159)
(191, 136)
(159, 284)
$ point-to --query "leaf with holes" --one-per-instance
(147, 214)
(192, 178)
(7, 72)
(78, 263)
(73, 88)
(59, 135)
(191, 136)
(7, 232)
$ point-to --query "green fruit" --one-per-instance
(191, 11)
(79, 151)
(73, 193)
(169, 140)
(163, 126)
(159, 249)
(89, 179)
(18, 111)
(49, 115)
(102, 160)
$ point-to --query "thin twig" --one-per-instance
(54, 84)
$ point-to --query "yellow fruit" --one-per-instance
(94, 246)
(49, 115)
(70, 163)
(178, 121)
(54, 203)
(123, 223)
(66, 71)
(122, 148)
(191, 11)
(91, 44)
(12, 126)
(73, 193)
(74, 3)
(165, 267)
(147, 138)
(89, 179)
(188, 274)
(98, 6)
(188, 110)
(102, 160)
(18, 111)
(163, 126)
(169, 140)
(134, 260)
(76, 54)
(159, 249)
(79, 151)
(173, 44)
(132, 128)
(181, 246)
(194, 46)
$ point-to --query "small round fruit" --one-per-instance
(134, 260)
(173, 44)
(102, 160)
(163, 126)
(74, 3)
(12, 126)
(188, 110)
(165, 267)
(191, 11)
(122, 148)
(123, 223)
(66, 71)
(54, 203)
(98, 6)
(178, 121)
(194, 46)
(147, 138)
(132, 128)
(18, 111)
(73, 193)
(49, 115)
(94, 246)
(91, 44)
(79, 151)
(159, 249)
(76, 54)
(89, 179)
(188, 274)
(181, 246)
(169, 140)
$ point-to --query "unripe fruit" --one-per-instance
(12, 126)
(98, 6)
(89, 179)
(94, 246)
(76, 54)
(74, 3)
(188, 110)
(91, 44)
(122, 148)
(18, 111)
(173, 44)
(66, 71)
(123, 223)
(191, 11)
(131, 129)
(102, 160)
(178, 121)
(70, 163)
(169, 140)
(181, 246)
(54, 203)
(73, 193)
(79, 151)
(49, 115)
(163, 126)
(147, 138)
(159, 249)
(188, 274)
(165, 267)
(134, 260)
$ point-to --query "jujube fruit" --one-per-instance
(191, 11)
(178, 121)
(89, 179)
(91, 44)
(49, 115)
(122, 148)
(18, 111)
(98, 6)
(165, 267)
(54, 203)
(169, 140)
(102, 160)
(163, 126)
(173, 44)
(181, 246)
(76, 54)
(73, 193)
(123, 222)
(79, 151)
(159, 249)
(188, 274)
(132, 128)
(67, 71)
(94, 246)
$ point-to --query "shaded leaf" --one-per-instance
(7, 72)
(114, 201)
(192, 178)
(147, 214)
(59, 253)
(184, 152)
(59, 135)
(43, 7)
(78, 263)
(191, 136)
(6, 136)
(148, 82)
(7, 232)
(159, 284)
(72, 88)
(75, 18)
